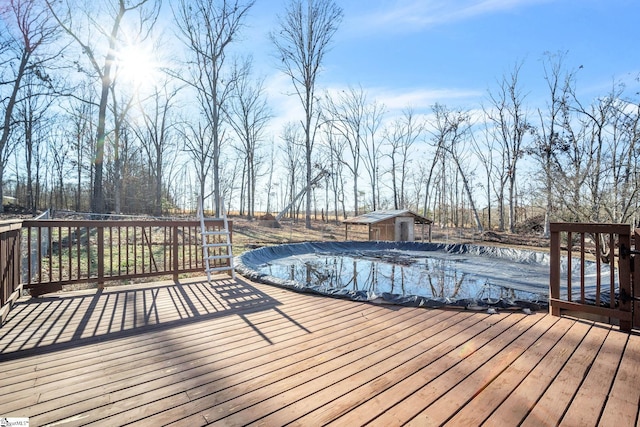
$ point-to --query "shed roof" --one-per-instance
(382, 215)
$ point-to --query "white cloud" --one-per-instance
(286, 105)
(283, 101)
(417, 14)
(422, 98)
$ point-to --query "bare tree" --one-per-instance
(107, 23)
(34, 123)
(347, 115)
(302, 41)
(431, 175)
(270, 183)
(549, 139)
(574, 163)
(509, 115)
(156, 135)
(59, 151)
(500, 171)
(451, 129)
(229, 176)
(119, 109)
(485, 152)
(198, 143)
(293, 153)
(127, 180)
(373, 149)
(81, 134)
(418, 178)
(332, 153)
(26, 28)
(401, 136)
(625, 161)
(249, 114)
(207, 28)
(610, 134)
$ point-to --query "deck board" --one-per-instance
(407, 378)
(560, 392)
(622, 406)
(281, 376)
(145, 366)
(477, 374)
(358, 367)
(589, 400)
(352, 407)
(237, 352)
(524, 397)
(428, 384)
(489, 396)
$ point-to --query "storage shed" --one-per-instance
(390, 225)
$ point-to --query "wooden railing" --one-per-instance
(605, 249)
(67, 252)
(10, 287)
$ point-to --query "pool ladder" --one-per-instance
(216, 245)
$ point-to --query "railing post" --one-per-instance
(635, 284)
(10, 258)
(554, 273)
(624, 276)
(100, 230)
(17, 257)
(175, 250)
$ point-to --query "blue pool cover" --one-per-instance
(407, 273)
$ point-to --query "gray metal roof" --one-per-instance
(382, 215)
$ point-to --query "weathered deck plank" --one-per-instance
(353, 369)
(470, 377)
(560, 392)
(508, 376)
(522, 400)
(281, 375)
(588, 402)
(622, 405)
(235, 352)
(246, 369)
(143, 365)
(350, 407)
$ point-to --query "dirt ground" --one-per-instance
(253, 234)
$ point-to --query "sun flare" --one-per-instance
(137, 66)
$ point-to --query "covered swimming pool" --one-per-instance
(407, 273)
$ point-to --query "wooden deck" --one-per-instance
(237, 353)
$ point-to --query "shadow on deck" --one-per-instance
(58, 321)
(240, 353)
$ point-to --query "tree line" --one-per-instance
(85, 127)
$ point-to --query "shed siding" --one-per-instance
(386, 226)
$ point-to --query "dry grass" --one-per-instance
(249, 235)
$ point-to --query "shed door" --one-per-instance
(404, 231)
(374, 234)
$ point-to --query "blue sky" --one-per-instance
(418, 52)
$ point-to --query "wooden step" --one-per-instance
(216, 269)
(216, 245)
(216, 233)
(218, 257)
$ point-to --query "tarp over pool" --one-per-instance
(493, 276)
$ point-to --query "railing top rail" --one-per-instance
(10, 224)
(110, 223)
(578, 227)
